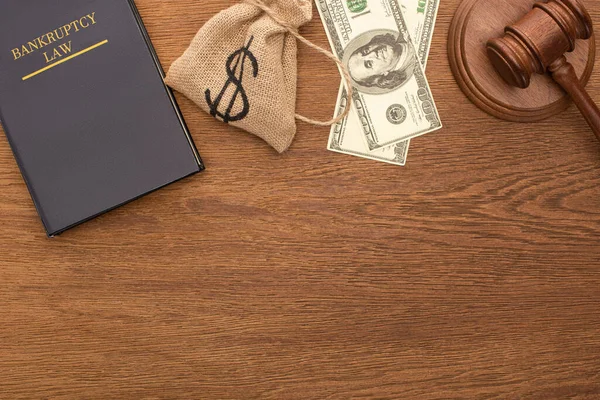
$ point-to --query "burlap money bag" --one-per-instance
(241, 68)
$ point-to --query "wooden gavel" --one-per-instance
(538, 42)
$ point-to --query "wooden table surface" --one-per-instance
(471, 273)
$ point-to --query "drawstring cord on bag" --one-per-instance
(328, 54)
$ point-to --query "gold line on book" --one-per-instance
(65, 60)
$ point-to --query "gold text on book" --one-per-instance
(54, 36)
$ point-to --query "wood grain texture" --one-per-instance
(472, 273)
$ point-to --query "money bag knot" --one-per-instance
(290, 14)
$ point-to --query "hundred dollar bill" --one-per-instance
(347, 136)
(392, 98)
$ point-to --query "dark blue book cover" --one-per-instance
(84, 107)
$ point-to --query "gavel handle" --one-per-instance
(564, 74)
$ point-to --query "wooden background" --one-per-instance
(472, 273)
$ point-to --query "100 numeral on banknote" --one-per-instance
(392, 99)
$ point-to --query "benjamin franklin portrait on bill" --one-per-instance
(380, 62)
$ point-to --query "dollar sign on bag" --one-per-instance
(233, 62)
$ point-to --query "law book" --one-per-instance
(85, 109)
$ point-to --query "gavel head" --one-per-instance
(538, 39)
